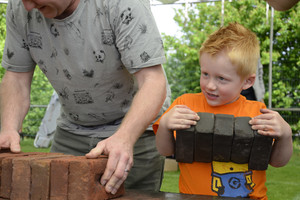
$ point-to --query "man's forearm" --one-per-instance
(145, 106)
(15, 100)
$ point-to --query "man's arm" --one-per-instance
(282, 5)
(119, 147)
(15, 102)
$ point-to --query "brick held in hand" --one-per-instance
(204, 131)
(223, 136)
(260, 152)
(242, 140)
(84, 180)
(184, 151)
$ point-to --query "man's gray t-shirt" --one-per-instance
(88, 57)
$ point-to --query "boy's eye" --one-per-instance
(205, 74)
(221, 78)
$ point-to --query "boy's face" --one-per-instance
(219, 80)
(52, 8)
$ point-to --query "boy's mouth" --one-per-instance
(211, 96)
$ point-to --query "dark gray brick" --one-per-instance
(223, 136)
(242, 140)
(185, 145)
(260, 152)
(204, 131)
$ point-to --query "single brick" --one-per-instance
(84, 180)
(3, 156)
(6, 170)
(185, 145)
(242, 140)
(223, 136)
(260, 152)
(204, 132)
(21, 175)
(40, 177)
(59, 179)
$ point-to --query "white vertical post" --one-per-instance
(222, 13)
(270, 61)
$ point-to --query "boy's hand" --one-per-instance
(179, 117)
(270, 123)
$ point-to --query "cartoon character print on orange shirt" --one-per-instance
(231, 179)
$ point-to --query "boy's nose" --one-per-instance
(211, 84)
(29, 4)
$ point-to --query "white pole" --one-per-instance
(222, 13)
(270, 61)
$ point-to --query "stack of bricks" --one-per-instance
(52, 176)
(223, 138)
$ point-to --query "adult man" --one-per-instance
(104, 60)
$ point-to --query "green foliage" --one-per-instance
(41, 91)
(2, 33)
(182, 65)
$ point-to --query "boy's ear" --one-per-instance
(249, 81)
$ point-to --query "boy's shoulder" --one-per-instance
(253, 102)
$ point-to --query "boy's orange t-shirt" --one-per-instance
(220, 178)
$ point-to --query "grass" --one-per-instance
(27, 146)
(282, 183)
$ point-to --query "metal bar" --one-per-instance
(158, 3)
(287, 109)
(270, 61)
(38, 106)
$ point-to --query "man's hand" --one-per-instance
(10, 140)
(120, 160)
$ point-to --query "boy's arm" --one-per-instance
(270, 123)
(179, 117)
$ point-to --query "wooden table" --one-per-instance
(144, 195)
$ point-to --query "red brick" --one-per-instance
(40, 177)
(21, 176)
(59, 177)
(84, 180)
(6, 171)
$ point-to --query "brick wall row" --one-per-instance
(52, 176)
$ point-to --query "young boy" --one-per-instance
(228, 60)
